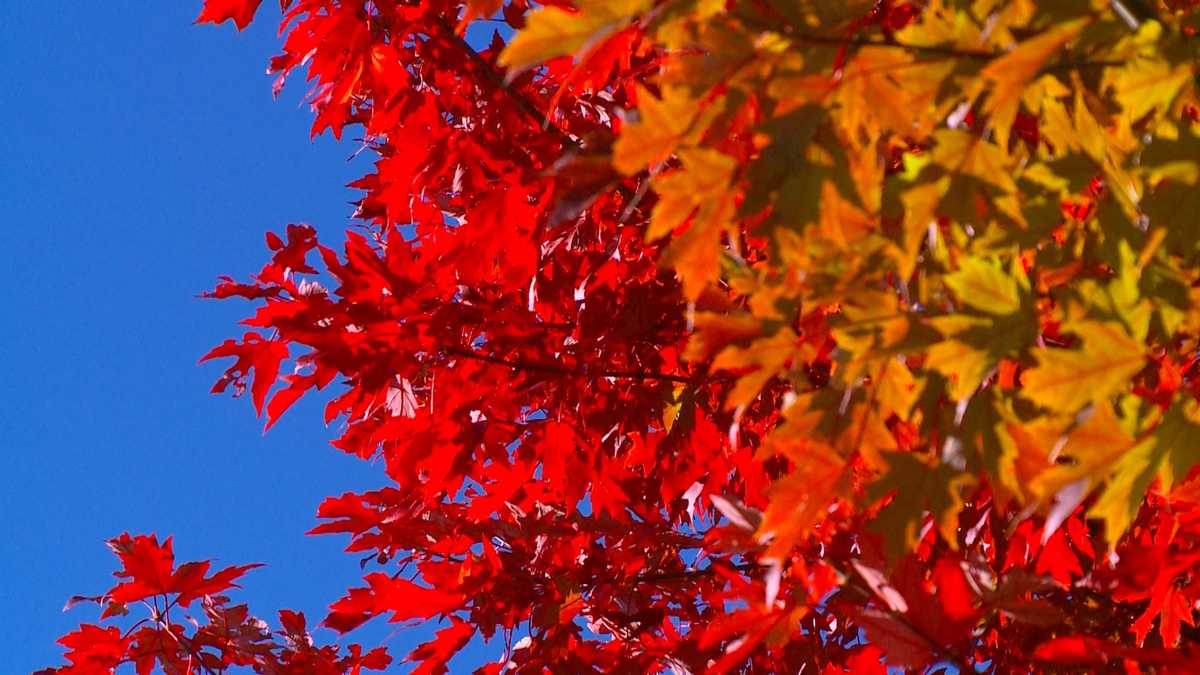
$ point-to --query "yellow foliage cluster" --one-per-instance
(911, 190)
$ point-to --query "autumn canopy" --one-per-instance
(748, 336)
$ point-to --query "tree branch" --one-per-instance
(539, 118)
(558, 369)
(486, 69)
(692, 574)
(980, 54)
(791, 32)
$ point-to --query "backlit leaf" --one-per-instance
(1067, 379)
(1009, 74)
(985, 287)
(554, 31)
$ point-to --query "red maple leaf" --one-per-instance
(218, 11)
(149, 570)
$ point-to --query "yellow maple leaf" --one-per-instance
(801, 498)
(1102, 149)
(553, 31)
(1027, 448)
(1009, 74)
(841, 223)
(1168, 454)
(699, 190)
(920, 209)
(767, 355)
(1124, 489)
(985, 287)
(695, 255)
(942, 25)
(663, 124)
(1088, 131)
(715, 330)
(1042, 90)
(1094, 446)
(962, 152)
(874, 324)
(896, 389)
(866, 433)
(1055, 123)
(1147, 84)
(1065, 380)
(964, 365)
(795, 91)
(884, 89)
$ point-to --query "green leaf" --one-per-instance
(1169, 453)
(916, 489)
(976, 345)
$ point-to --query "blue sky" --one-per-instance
(143, 156)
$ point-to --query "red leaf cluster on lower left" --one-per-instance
(178, 640)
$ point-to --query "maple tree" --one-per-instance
(736, 336)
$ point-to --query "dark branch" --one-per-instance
(558, 369)
(488, 70)
(789, 29)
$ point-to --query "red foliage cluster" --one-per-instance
(506, 343)
(229, 636)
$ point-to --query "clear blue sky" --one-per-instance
(141, 156)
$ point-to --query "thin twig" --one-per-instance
(539, 118)
(980, 54)
(691, 574)
(790, 30)
(558, 369)
(488, 70)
